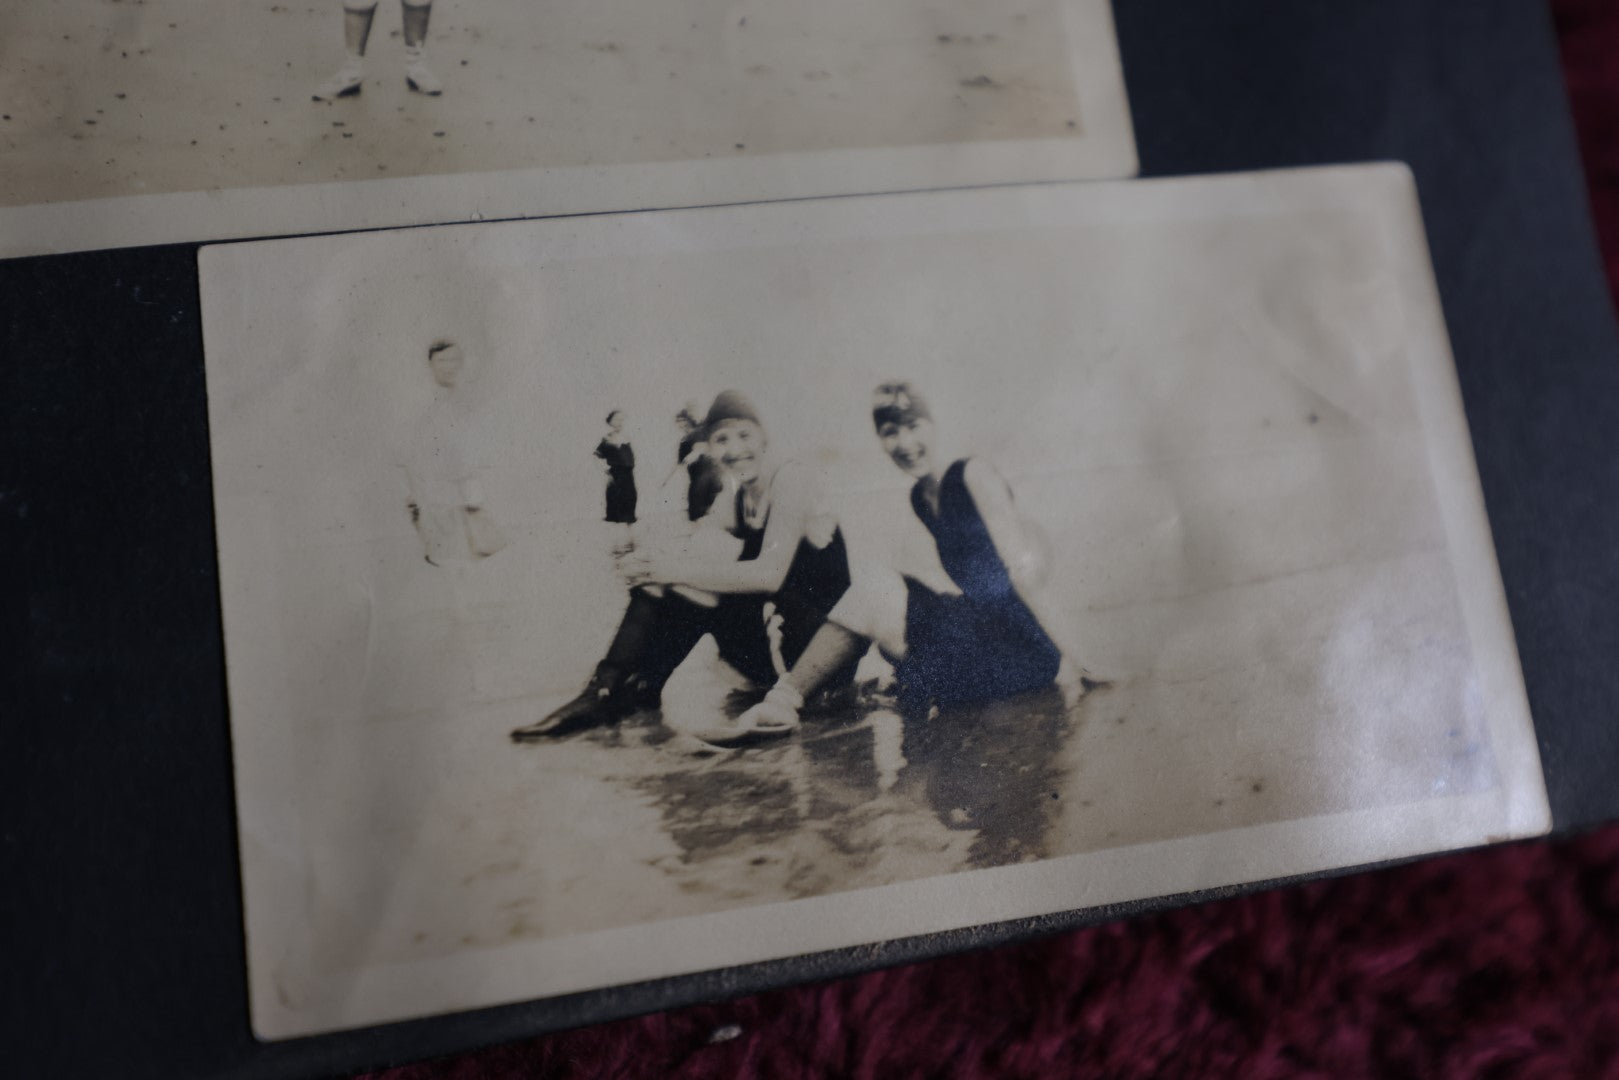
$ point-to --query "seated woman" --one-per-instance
(764, 606)
(980, 644)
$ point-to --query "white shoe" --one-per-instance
(775, 716)
(418, 77)
(346, 83)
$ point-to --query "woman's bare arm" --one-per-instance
(794, 495)
(1011, 539)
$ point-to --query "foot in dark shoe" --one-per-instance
(640, 692)
(596, 706)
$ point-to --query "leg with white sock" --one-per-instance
(418, 76)
(873, 609)
(358, 15)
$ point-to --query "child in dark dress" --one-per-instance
(982, 643)
(619, 457)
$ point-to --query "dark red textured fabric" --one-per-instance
(1589, 34)
(1500, 963)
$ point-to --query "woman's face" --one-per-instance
(446, 365)
(615, 423)
(740, 446)
(909, 444)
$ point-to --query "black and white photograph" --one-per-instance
(130, 122)
(634, 595)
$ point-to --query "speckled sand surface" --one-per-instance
(124, 97)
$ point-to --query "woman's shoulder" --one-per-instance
(982, 479)
(973, 469)
(798, 487)
(795, 474)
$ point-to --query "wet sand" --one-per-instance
(126, 97)
(430, 833)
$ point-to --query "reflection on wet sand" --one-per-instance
(859, 797)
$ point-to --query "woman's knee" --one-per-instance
(874, 607)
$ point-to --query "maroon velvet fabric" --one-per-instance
(1500, 963)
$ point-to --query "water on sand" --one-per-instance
(634, 823)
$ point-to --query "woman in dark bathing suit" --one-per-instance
(619, 458)
(980, 644)
(792, 557)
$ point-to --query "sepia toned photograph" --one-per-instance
(147, 121)
(621, 597)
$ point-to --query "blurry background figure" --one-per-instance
(445, 501)
(705, 479)
(681, 521)
(619, 458)
(358, 15)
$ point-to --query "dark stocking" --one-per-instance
(828, 652)
(416, 18)
(357, 29)
(653, 638)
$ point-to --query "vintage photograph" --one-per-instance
(147, 121)
(626, 596)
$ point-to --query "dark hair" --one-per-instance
(898, 403)
(615, 412)
(439, 346)
(730, 405)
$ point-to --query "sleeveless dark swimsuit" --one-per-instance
(620, 481)
(816, 579)
(984, 644)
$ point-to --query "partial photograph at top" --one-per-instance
(202, 112)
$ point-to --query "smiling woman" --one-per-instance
(762, 607)
(982, 640)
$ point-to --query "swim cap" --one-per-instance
(731, 405)
(897, 403)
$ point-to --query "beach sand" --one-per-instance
(1234, 703)
(127, 97)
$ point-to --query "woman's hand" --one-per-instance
(1070, 681)
(637, 567)
(1075, 682)
(820, 528)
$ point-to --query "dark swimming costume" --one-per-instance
(704, 480)
(985, 643)
(816, 579)
(620, 480)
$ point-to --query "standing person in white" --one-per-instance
(445, 500)
(358, 15)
